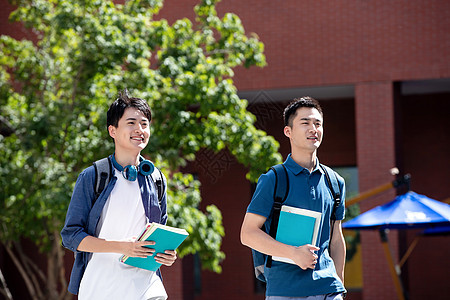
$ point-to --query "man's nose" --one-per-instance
(139, 128)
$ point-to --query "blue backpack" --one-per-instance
(280, 194)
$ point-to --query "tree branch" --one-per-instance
(4, 290)
(60, 266)
(6, 129)
(29, 266)
(20, 268)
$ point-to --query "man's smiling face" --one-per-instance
(132, 132)
(306, 130)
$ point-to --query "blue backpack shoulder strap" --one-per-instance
(335, 191)
(103, 174)
(334, 188)
(280, 193)
(157, 178)
(281, 189)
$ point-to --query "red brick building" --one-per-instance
(381, 70)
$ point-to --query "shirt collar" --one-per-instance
(297, 169)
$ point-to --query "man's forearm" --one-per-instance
(264, 243)
(130, 248)
(338, 256)
(338, 250)
(253, 237)
(94, 244)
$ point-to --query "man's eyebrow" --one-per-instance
(134, 119)
(309, 119)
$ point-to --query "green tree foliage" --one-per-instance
(54, 92)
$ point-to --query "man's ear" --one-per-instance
(112, 131)
(287, 131)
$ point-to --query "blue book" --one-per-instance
(165, 238)
(297, 227)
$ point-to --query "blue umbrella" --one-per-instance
(410, 210)
(406, 211)
(442, 230)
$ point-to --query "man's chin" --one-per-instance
(138, 147)
(142, 146)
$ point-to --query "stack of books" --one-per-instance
(297, 227)
(165, 238)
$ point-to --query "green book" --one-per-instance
(165, 238)
(297, 227)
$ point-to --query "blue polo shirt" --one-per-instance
(308, 191)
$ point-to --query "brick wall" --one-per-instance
(224, 185)
(376, 156)
(336, 42)
(9, 28)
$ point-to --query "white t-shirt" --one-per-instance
(122, 218)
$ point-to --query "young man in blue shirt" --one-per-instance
(318, 272)
(101, 230)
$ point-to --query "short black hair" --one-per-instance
(124, 101)
(291, 110)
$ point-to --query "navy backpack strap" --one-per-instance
(335, 191)
(334, 188)
(280, 194)
(157, 178)
(281, 189)
(103, 174)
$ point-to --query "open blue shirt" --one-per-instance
(308, 191)
(82, 217)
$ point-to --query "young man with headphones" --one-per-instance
(101, 230)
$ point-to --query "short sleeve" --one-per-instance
(262, 200)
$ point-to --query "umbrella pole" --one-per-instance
(408, 252)
(368, 194)
(394, 275)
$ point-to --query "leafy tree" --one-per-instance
(54, 91)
